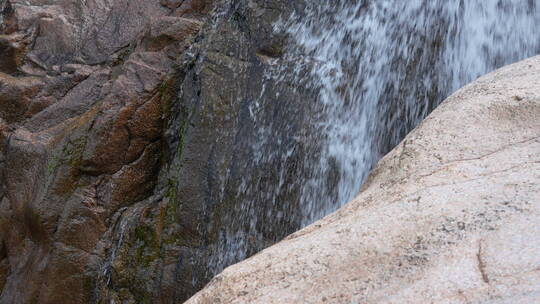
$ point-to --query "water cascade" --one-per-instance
(374, 70)
(381, 66)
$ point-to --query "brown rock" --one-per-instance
(13, 53)
(16, 96)
(81, 123)
(194, 8)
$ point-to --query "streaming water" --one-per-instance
(382, 65)
(378, 68)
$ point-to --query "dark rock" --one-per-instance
(131, 146)
(226, 117)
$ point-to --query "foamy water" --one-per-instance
(383, 65)
(378, 67)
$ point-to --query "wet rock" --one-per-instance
(449, 216)
(126, 133)
(214, 182)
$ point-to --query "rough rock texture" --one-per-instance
(82, 112)
(449, 216)
(127, 163)
(228, 115)
(234, 151)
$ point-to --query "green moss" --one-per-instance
(143, 298)
(123, 54)
(71, 155)
(53, 164)
(74, 152)
(182, 132)
(166, 96)
(148, 245)
(172, 190)
(70, 159)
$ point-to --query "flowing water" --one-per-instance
(382, 65)
(378, 68)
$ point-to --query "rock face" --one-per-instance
(211, 205)
(82, 112)
(128, 169)
(146, 145)
(449, 216)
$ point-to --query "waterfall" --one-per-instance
(381, 66)
(376, 68)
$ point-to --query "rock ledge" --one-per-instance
(451, 215)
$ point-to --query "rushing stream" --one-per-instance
(381, 66)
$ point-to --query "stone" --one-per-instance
(449, 216)
(126, 133)
(81, 127)
(146, 145)
(190, 8)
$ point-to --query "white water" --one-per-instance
(381, 65)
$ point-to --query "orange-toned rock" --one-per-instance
(81, 123)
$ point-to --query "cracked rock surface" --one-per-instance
(82, 101)
(131, 140)
(451, 215)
